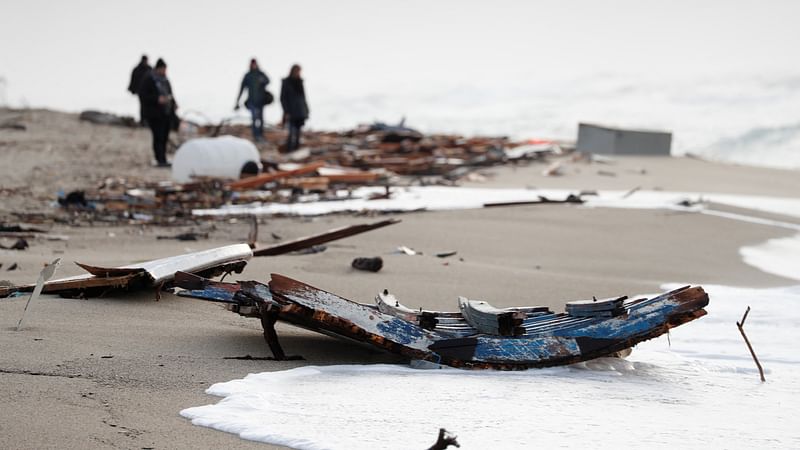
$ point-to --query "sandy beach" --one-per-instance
(114, 372)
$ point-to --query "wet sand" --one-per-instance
(115, 371)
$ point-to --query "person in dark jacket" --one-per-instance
(295, 108)
(159, 109)
(255, 81)
(138, 75)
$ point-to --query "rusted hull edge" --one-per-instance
(307, 307)
(562, 350)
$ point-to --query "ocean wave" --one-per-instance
(777, 147)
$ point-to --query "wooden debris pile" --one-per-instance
(402, 150)
(327, 168)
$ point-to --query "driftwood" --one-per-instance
(47, 273)
(445, 440)
(328, 236)
(740, 325)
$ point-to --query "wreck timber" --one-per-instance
(328, 236)
(536, 337)
(155, 273)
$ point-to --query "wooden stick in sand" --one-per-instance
(47, 273)
(750, 347)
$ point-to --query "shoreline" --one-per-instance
(116, 371)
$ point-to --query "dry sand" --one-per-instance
(115, 371)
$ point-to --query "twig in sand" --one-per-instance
(252, 236)
(631, 192)
(740, 325)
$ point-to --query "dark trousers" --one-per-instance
(142, 119)
(160, 128)
(257, 123)
(293, 139)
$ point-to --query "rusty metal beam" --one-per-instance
(259, 180)
(328, 236)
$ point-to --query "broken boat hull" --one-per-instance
(549, 339)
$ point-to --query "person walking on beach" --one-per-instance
(295, 108)
(138, 75)
(255, 81)
(159, 109)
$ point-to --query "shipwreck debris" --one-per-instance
(368, 264)
(571, 198)
(504, 339)
(103, 118)
(445, 440)
(20, 244)
(328, 236)
(155, 273)
(188, 236)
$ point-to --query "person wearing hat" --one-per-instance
(159, 109)
(255, 81)
(138, 75)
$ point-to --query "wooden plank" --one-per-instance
(260, 180)
(328, 236)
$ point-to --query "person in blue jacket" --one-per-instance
(255, 81)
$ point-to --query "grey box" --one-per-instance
(618, 141)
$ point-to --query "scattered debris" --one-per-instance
(445, 440)
(740, 325)
(310, 250)
(407, 251)
(46, 273)
(688, 203)
(188, 236)
(74, 199)
(328, 169)
(571, 198)
(631, 192)
(553, 170)
(5, 228)
(368, 264)
(19, 244)
(13, 266)
(108, 119)
(13, 126)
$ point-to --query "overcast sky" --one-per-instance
(78, 54)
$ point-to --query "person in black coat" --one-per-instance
(295, 108)
(159, 109)
(139, 73)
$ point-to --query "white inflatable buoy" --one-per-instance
(222, 157)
